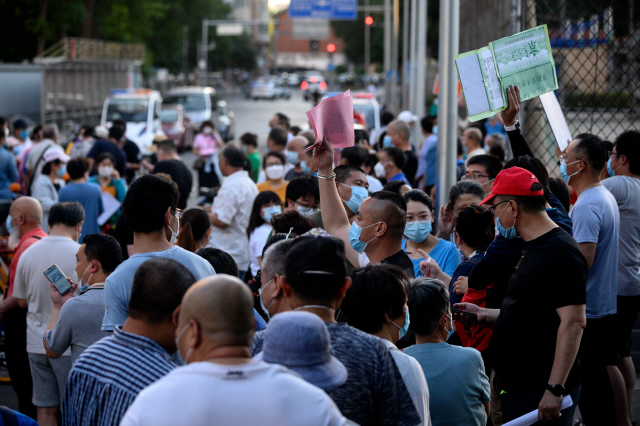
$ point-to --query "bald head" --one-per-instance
(30, 210)
(223, 307)
(402, 128)
(388, 207)
(297, 143)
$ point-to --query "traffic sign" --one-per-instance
(323, 9)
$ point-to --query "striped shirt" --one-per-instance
(108, 376)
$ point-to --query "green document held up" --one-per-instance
(522, 60)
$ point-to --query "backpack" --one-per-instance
(478, 336)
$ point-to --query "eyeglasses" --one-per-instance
(492, 209)
(612, 154)
(474, 176)
(179, 213)
(564, 159)
(305, 205)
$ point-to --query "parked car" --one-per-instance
(172, 118)
(293, 80)
(270, 88)
(225, 121)
(313, 82)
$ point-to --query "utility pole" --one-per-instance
(394, 56)
(205, 49)
(414, 57)
(276, 36)
(367, 41)
(405, 55)
(185, 51)
(421, 71)
(447, 106)
(387, 52)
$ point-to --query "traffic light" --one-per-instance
(314, 45)
(368, 20)
(331, 47)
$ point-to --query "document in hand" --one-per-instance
(333, 119)
(532, 417)
(522, 60)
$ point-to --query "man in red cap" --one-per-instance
(538, 328)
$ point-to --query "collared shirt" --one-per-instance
(400, 176)
(233, 206)
(109, 375)
(26, 241)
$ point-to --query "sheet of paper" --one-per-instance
(556, 120)
(333, 119)
(111, 205)
(491, 80)
(532, 417)
(472, 84)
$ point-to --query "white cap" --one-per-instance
(101, 132)
(407, 117)
(55, 154)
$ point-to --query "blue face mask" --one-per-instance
(418, 230)
(450, 327)
(405, 327)
(62, 170)
(563, 171)
(265, 309)
(612, 172)
(293, 157)
(24, 134)
(8, 223)
(358, 195)
(354, 237)
(386, 142)
(510, 233)
(305, 169)
(270, 212)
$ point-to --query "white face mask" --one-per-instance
(105, 171)
(174, 234)
(207, 130)
(275, 171)
(186, 356)
(379, 170)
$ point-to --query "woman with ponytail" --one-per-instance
(195, 229)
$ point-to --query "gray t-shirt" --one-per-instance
(596, 219)
(626, 191)
(79, 324)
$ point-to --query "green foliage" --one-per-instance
(342, 69)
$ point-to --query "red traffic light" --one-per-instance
(331, 47)
(368, 20)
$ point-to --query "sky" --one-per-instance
(278, 4)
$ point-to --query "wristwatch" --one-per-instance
(516, 126)
(557, 390)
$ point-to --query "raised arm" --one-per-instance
(519, 144)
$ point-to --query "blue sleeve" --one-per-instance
(116, 307)
(13, 171)
(260, 322)
(95, 150)
(586, 223)
(100, 204)
(121, 190)
(452, 260)
(480, 378)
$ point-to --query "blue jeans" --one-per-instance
(515, 405)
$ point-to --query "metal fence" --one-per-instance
(596, 47)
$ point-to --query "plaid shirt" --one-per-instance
(108, 376)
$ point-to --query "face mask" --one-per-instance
(265, 310)
(270, 212)
(379, 170)
(465, 150)
(245, 150)
(358, 195)
(386, 142)
(563, 171)
(418, 230)
(510, 233)
(305, 211)
(8, 223)
(105, 171)
(6, 133)
(305, 169)
(292, 156)
(405, 327)
(354, 237)
(62, 170)
(612, 172)
(174, 234)
(177, 339)
(24, 134)
(450, 327)
(84, 287)
(207, 130)
(274, 172)
(487, 183)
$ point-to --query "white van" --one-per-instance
(140, 108)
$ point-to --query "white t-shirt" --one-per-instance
(204, 393)
(414, 379)
(374, 184)
(31, 284)
(257, 240)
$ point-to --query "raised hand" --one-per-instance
(509, 115)
(323, 155)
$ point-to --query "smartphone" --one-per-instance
(471, 316)
(58, 279)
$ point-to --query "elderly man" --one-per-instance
(214, 336)
(294, 146)
(473, 142)
(400, 133)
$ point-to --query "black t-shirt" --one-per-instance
(132, 152)
(552, 273)
(402, 260)
(181, 175)
(411, 167)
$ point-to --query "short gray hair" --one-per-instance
(50, 131)
(428, 300)
(274, 258)
(401, 127)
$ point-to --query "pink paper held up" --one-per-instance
(333, 119)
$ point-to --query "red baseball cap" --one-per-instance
(514, 181)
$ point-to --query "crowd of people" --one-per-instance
(322, 287)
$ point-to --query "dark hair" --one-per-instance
(77, 167)
(234, 156)
(279, 136)
(360, 135)
(464, 187)
(428, 301)
(120, 123)
(103, 248)
(207, 123)
(628, 144)
(116, 132)
(147, 201)
(167, 146)
(560, 190)
(36, 129)
(283, 120)
(46, 169)
(316, 267)
(418, 196)
(496, 150)
(344, 172)
(394, 186)
(376, 290)
(459, 147)
(427, 124)
(221, 261)
(476, 226)
(261, 199)
(283, 223)
(3, 121)
(386, 118)
(250, 139)
(529, 204)
(490, 163)
(105, 156)
(534, 166)
(295, 130)
(593, 151)
(355, 155)
(194, 224)
(158, 288)
(303, 186)
(395, 212)
(275, 154)
(370, 160)
(396, 156)
(276, 238)
(68, 213)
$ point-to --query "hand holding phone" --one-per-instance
(466, 318)
(58, 279)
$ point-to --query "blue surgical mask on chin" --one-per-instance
(450, 327)
(418, 230)
(610, 171)
(510, 233)
(265, 309)
(405, 327)
(358, 195)
(386, 142)
(292, 156)
(354, 237)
